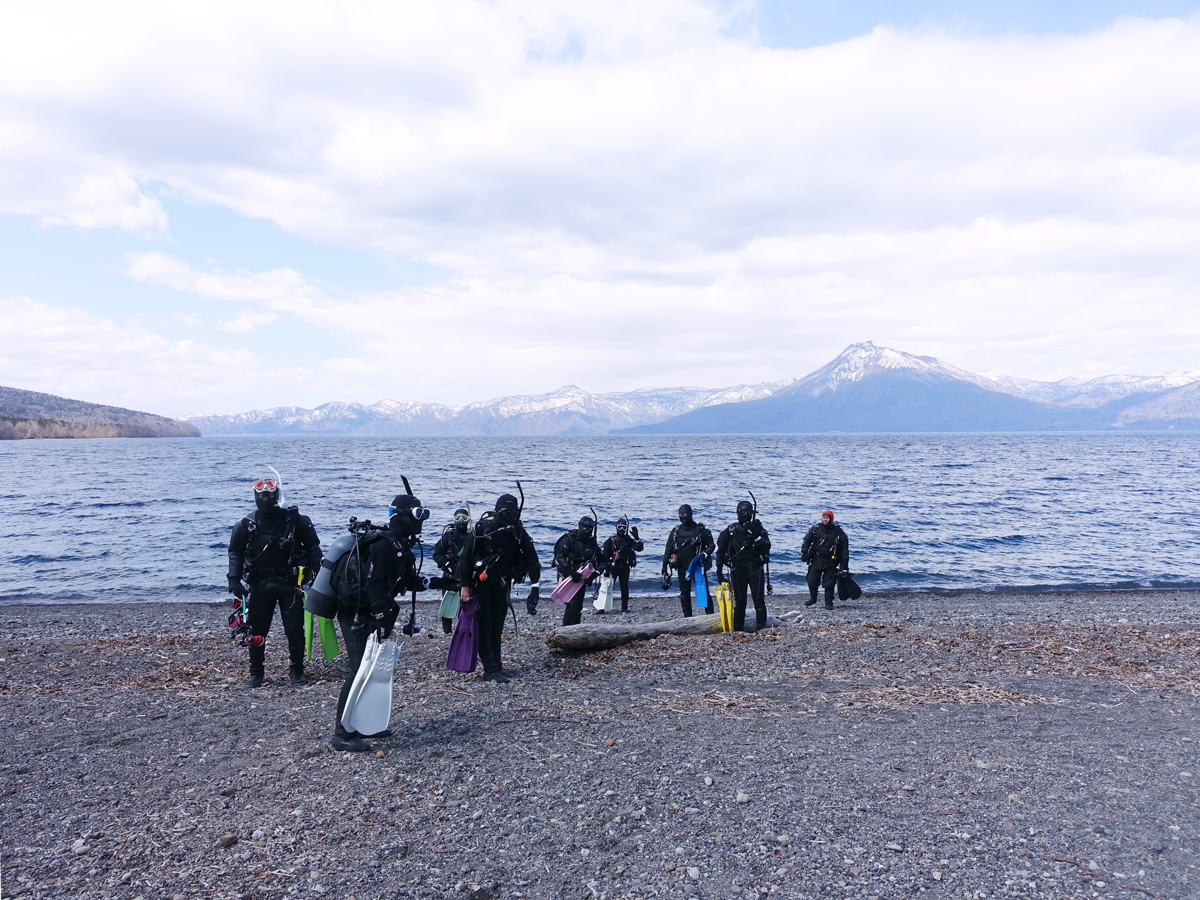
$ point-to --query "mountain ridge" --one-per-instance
(568, 410)
(31, 414)
(864, 388)
(878, 389)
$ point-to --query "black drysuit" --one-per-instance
(390, 568)
(507, 555)
(827, 551)
(619, 555)
(264, 551)
(745, 550)
(685, 543)
(571, 553)
(445, 554)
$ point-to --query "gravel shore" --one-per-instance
(969, 745)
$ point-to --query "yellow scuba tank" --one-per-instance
(725, 606)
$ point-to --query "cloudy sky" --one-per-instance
(213, 208)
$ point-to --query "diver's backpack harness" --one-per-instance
(251, 570)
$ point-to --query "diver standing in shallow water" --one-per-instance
(265, 550)
(368, 579)
(827, 552)
(448, 548)
(572, 552)
(745, 548)
(686, 541)
(496, 555)
(619, 555)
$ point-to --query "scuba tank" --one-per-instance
(321, 599)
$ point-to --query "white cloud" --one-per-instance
(628, 192)
(74, 354)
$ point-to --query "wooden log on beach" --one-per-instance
(589, 636)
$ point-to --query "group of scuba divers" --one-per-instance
(275, 559)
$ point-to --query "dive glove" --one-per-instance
(531, 601)
(577, 576)
(633, 531)
(720, 575)
(237, 587)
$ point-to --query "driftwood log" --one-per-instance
(590, 636)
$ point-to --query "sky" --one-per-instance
(210, 208)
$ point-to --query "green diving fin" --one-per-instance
(329, 641)
(326, 631)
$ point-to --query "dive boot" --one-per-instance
(386, 733)
(254, 681)
(349, 741)
(829, 604)
(498, 677)
(296, 675)
(812, 602)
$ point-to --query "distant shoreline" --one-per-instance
(789, 598)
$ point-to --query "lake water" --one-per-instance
(138, 520)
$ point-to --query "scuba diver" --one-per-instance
(686, 541)
(265, 550)
(745, 549)
(369, 577)
(496, 555)
(572, 552)
(446, 551)
(619, 555)
(827, 552)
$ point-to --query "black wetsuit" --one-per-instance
(387, 568)
(264, 551)
(572, 551)
(507, 555)
(445, 554)
(619, 554)
(827, 551)
(685, 543)
(745, 550)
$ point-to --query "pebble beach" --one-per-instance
(934, 745)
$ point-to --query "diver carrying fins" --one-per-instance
(360, 579)
(497, 554)
(744, 547)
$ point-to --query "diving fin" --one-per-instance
(449, 608)
(699, 579)
(370, 654)
(308, 634)
(725, 606)
(464, 646)
(372, 708)
(329, 641)
(568, 587)
(604, 596)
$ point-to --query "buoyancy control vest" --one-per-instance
(686, 542)
(572, 550)
(497, 551)
(748, 546)
(824, 544)
(271, 545)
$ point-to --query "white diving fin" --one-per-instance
(604, 596)
(370, 654)
(370, 711)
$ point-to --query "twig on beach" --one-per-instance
(1091, 874)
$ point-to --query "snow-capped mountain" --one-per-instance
(877, 389)
(569, 410)
(861, 361)
(865, 388)
(1090, 393)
